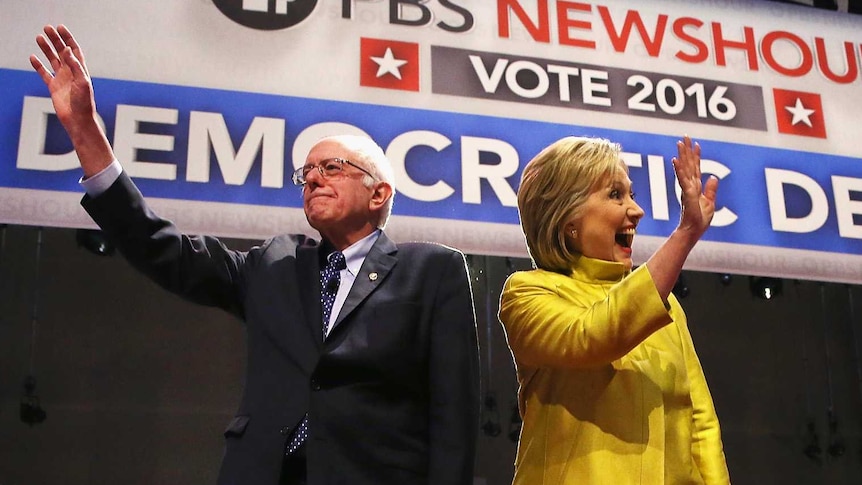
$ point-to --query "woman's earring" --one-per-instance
(574, 233)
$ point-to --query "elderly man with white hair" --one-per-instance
(362, 353)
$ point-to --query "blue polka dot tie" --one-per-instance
(330, 279)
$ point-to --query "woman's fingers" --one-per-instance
(711, 188)
(687, 164)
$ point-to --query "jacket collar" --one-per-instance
(592, 270)
(379, 262)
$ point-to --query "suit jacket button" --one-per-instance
(284, 430)
(315, 386)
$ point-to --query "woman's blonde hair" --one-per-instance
(554, 186)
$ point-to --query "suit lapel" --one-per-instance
(376, 267)
(308, 282)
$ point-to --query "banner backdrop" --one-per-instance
(211, 104)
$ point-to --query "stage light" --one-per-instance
(812, 449)
(31, 412)
(765, 287)
(680, 288)
(94, 242)
(836, 441)
(491, 416)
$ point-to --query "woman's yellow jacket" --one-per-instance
(611, 390)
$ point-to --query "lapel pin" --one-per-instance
(372, 276)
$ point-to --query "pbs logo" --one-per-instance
(266, 14)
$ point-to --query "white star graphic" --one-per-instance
(800, 113)
(388, 64)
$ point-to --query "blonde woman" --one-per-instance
(611, 390)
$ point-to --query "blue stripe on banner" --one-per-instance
(743, 191)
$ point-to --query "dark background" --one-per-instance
(138, 384)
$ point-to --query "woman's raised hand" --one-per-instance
(698, 199)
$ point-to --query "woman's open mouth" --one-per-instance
(625, 238)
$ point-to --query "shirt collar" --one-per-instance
(355, 254)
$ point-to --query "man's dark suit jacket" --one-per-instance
(392, 394)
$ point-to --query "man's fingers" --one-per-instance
(48, 51)
(59, 48)
(78, 70)
(40, 69)
(67, 36)
(69, 40)
(54, 37)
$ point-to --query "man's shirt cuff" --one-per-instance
(99, 183)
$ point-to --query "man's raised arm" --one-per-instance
(72, 94)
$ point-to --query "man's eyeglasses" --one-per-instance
(331, 167)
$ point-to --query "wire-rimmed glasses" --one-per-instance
(331, 167)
